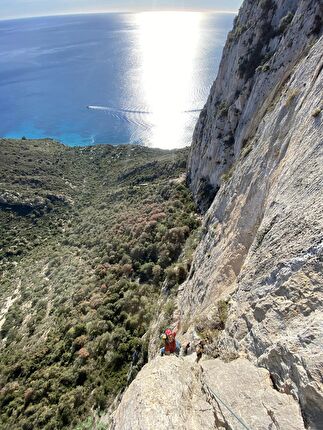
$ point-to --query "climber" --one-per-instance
(187, 348)
(199, 349)
(171, 345)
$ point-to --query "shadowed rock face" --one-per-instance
(175, 393)
(262, 244)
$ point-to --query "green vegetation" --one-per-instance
(255, 57)
(223, 309)
(237, 31)
(246, 148)
(316, 112)
(89, 236)
(285, 21)
(258, 53)
(209, 327)
(291, 96)
(223, 109)
(228, 173)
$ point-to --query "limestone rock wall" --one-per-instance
(262, 245)
(268, 39)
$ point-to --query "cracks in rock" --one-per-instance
(305, 418)
(271, 414)
(261, 233)
(220, 421)
(258, 346)
(312, 83)
(274, 382)
(218, 405)
(287, 268)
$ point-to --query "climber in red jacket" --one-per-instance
(171, 345)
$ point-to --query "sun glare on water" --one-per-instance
(168, 46)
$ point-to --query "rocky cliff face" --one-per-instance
(258, 144)
(268, 40)
(255, 286)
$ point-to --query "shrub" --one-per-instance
(223, 309)
(146, 272)
(157, 274)
(171, 276)
(83, 353)
(228, 174)
(223, 109)
(76, 331)
(181, 273)
(169, 309)
(28, 394)
(285, 21)
(79, 342)
(316, 112)
(291, 95)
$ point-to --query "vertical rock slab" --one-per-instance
(268, 39)
(263, 245)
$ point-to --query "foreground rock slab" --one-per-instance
(175, 393)
(167, 394)
(247, 390)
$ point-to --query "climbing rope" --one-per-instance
(218, 398)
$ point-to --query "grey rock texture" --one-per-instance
(175, 393)
(247, 391)
(263, 241)
(167, 394)
(268, 39)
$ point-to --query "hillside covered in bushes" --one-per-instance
(89, 239)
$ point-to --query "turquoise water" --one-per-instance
(109, 78)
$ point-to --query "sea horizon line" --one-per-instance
(219, 11)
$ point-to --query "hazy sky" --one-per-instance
(21, 8)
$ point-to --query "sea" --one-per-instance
(114, 78)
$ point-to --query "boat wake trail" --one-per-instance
(141, 121)
(115, 110)
(140, 112)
